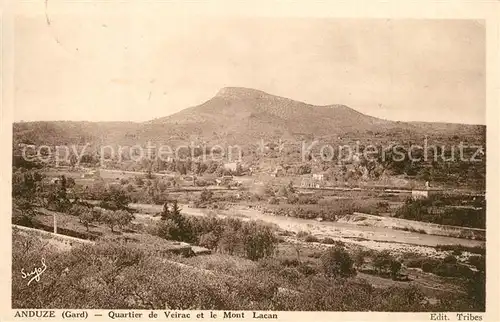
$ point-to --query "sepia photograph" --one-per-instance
(247, 164)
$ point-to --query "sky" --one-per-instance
(124, 67)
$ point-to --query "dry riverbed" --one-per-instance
(376, 238)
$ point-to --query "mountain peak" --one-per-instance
(239, 92)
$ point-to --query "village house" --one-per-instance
(424, 193)
(89, 174)
(318, 176)
(28, 146)
(231, 166)
(311, 183)
(419, 194)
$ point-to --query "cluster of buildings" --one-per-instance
(315, 181)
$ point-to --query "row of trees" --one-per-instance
(111, 218)
(230, 236)
(428, 211)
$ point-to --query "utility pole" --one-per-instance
(55, 223)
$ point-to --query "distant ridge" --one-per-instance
(243, 115)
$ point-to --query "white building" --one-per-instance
(318, 176)
(232, 166)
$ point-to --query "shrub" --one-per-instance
(359, 258)
(259, 240)
(273, 201)
(302, 234)
(311, 239)
(427, 267)
(168, 229)
(479, 262)
(290, 262)
(208, 240)
(206, 196)
(328, 241)
(336, 262)
(119, 218)
(315, 254)
(453, 270)
(474, 249)
(450, 259)
(23, 213)
(385, 263)
(87, 217)
(423, 210)
(307, 269)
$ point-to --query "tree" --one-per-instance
(336, 262)
(181, 167)
(86, 217)
(359, 258)
(206, 195)
(395, 268)
(167, 229)
(114, 198)
(479, 262)
(209, 240)
(385, 263)
(282, 191)
(129, 188)
(258, 240)
(139, 181)
(173, 225)
(114, 218)
(230, 241)
(176, 212)
(27, 212)
(239, 170)
(70, 182)
(165, 214)
(123, 218)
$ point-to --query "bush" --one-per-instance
(328, 241)
(453, 270)
(311, 239)
(427, 267)
(479, 262)
(290, 262)
(459, 248)
(359, 258)
(259, 240)
(307, 269)
(450, 259)
(423, 210)
(119, 218)
(206, 196)
(302, 234)
(385, 263)
(273, 201)
(208, 240)
(23, 212)
(336, 262)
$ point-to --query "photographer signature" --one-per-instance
(36, 273)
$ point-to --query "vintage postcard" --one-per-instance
(249, 160)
